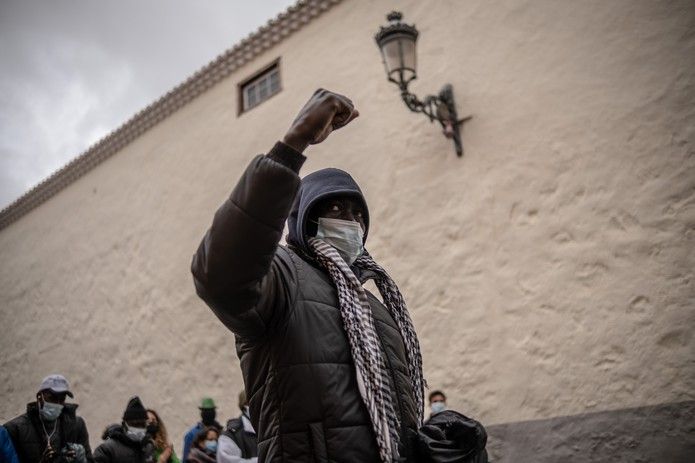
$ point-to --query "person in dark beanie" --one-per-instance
(50, 431)
(330, 370)
(208, 413)
(128, 443)
(238, 442)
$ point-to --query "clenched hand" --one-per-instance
(323, 113)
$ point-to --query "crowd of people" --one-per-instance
(50, 431)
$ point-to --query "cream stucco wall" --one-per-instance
(548, 272)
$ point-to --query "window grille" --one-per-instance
(260, 87)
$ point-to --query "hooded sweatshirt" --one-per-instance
(317, 186)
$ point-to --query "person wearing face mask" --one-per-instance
(437, 401)
(50, 431)
(128, 443)
(330, 370)
(163, 448)
(204, 448)
(208, 413)
(238, 442)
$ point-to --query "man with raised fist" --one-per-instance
(331, 373)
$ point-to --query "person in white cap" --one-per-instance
(50, 431)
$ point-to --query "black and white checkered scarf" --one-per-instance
(372, 374)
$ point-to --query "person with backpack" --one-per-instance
(238, 442)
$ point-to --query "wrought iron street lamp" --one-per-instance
(397, 44)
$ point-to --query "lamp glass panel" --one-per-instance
(392, 57)
(409, 57)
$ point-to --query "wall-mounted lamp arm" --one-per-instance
(441, 108)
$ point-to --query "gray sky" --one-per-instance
(71, 71)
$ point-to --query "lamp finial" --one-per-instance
(394, 16)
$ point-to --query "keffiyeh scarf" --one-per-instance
(373, 378)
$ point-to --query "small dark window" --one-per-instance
(259, 87)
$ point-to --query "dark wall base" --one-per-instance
(662, 433)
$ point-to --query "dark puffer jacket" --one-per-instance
(283, 309)
(29, 438)
(119, 448)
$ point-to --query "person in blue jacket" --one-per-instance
(207, 419)
(7, 453)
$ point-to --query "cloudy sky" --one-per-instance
(73, 70)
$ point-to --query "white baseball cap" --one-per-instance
(56, 383)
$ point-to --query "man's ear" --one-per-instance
(39, 399)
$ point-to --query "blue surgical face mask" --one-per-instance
(50, 411)
(211, 446)
(346, 236)
(438, 407)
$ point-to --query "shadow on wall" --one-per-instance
(661, 433)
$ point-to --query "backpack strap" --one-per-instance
(233, 426)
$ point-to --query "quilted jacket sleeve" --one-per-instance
(83, 438)
(236, 270)
(102, 454)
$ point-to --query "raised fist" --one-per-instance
(324, 112)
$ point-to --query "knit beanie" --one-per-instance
(135, 410)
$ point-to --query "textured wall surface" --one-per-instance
(549, 271)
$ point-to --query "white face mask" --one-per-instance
(50, 411)
(136, 434)
(345, 236)
(438, 407)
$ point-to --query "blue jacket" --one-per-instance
(7, 453)
(188, 439)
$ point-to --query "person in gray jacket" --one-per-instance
(331, 373)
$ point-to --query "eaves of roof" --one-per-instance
(266, 37)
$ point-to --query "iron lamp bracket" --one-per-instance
(440, 108)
